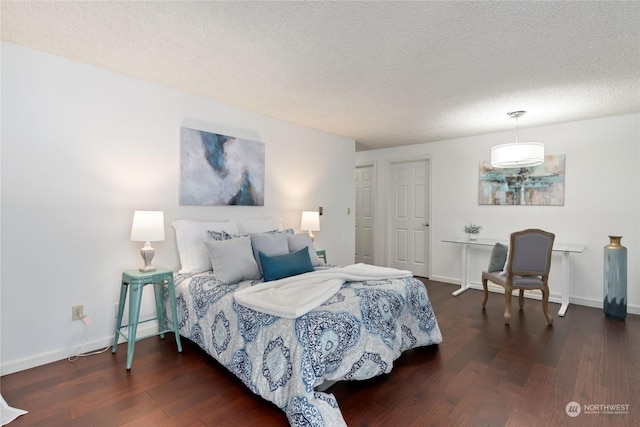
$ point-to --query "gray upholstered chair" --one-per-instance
(527, 267)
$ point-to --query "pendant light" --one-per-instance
(517, 154)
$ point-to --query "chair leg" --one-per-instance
(545, 305)
(485, 293)
(507, 305)
(521, 299)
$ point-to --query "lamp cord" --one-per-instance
(73, 357)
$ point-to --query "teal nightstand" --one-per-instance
(135, 280)
(322, 254)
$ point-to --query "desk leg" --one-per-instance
(158, 291)
(174, 312)
(566, 286)
(464, 257)
(135, 299)
(123, 298)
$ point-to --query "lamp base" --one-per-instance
(312, 236)
(147, 253)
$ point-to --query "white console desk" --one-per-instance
(565, 249)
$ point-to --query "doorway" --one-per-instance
(365, 190)
(408, 207)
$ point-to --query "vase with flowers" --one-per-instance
(472, 230)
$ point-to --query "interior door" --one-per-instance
(409, 217)
(365, 181)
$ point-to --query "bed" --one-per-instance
(355, 334)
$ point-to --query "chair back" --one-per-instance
(530, 253)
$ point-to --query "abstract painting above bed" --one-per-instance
(220, 170)
(355, 335)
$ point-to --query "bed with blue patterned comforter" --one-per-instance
(355, 335)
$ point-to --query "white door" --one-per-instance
(409, 217)
(365, 181)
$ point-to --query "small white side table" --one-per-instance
(563, 248)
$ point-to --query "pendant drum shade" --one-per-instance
(517, 155)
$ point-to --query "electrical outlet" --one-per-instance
(115, 310)
(77, 312)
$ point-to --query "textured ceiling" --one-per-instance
(383, 73)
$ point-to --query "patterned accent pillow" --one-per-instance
(287, 231)
(223, 235)
(220, 235)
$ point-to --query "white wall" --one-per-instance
(82, 148)
(602, 194)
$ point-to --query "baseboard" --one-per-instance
(444, 279)
(61, 354)
(631, 309)
(555, 298)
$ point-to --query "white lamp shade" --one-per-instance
(148, 226)
(517, 155)
(310, 221)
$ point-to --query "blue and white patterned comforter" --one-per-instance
(355, 335)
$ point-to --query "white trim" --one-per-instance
(143, 331)
(447, 280)
(555, 298)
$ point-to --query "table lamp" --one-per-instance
(148, 226)
(310, 222)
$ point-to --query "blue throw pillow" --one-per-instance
(281, 266)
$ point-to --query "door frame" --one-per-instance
(374, 197)
(387, 206)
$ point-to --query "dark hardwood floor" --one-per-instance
(483, 374)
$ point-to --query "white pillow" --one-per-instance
(190, 237)
(232, 260)
(303, 240)
(252, 226)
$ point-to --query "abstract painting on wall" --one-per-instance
(538, 185)
(217, 170)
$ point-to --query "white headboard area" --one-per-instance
(190, 235)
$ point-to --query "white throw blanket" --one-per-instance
(8, 413)
(297, 295)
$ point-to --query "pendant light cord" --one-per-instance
(517, 115)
